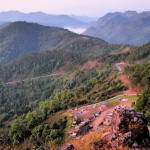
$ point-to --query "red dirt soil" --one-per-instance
(91, 63)
(85, 38)
(127, 83)
(100, 119)
(89, 111)
(87, 65)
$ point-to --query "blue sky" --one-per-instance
(95, 8)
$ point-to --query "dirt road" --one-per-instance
(125, 80)
(34, 78)
(91, 111)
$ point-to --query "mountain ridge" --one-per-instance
(46, 19)
(122, 28)
(21, 37)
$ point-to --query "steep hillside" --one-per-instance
(28, 122)
(141, 53)
(140, 79)
(61, 92)
(21, 37)
(38, 64)
(139, 75)
(33, 77)
(3, 24)
(122, 28)
(137, 55)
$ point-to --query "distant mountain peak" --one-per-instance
(122, 28)
(130, 11)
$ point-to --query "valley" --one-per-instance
(58, 87)
(89, 110)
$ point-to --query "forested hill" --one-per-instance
(140, 53)
(36, 64)
(140, 80)
(21, 37)
(3, 24)
(137, 55)
(125, 28)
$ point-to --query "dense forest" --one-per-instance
(61, 71)
(22, 97)
(36, 64)
(139, 74)
(15, 40)
(77, 88)
(137, 54)
(140, 77)
(142, 52)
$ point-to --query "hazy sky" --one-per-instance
(77, 7)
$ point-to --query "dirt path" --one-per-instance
(90, 110)
(35, 78)
(120, 66)
(125, 80)
(95, 123)
(100, 119)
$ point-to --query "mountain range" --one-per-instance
(122, 28)
(21, 37)
(47, 19)
(35, 64)
(47, 73)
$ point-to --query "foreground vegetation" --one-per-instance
(25, 105)
(88, 87)
(140, 79)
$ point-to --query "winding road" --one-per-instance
(34, 78)
(125, 94)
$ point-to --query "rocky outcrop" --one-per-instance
(128, 131)
(69, 146)
(128, 128)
